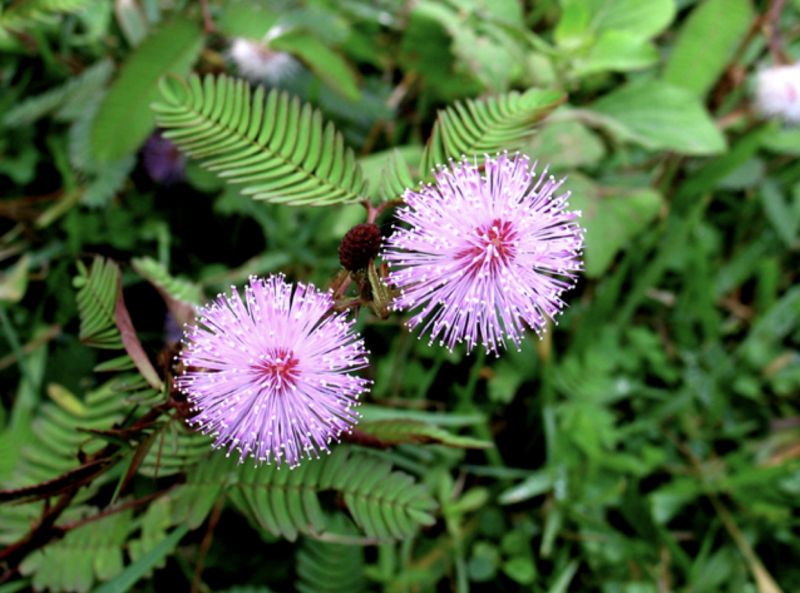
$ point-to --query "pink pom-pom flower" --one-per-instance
(272, 375)
(483, 255)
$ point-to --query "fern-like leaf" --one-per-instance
(477, 127)
(154, 526)
(276, 147)
(181, 296)
(326, 567)
(97, 296)
(396, 177)
(205, 482)
(174, 451)
(59, 428)
(177, 288)
(89, 553)
(267, 495)
(384, 503)
(16, 520)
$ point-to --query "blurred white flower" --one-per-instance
(259, 63)
(778, 92)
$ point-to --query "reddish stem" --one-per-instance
(208, 22)
(771, 27)
(131, 504)
(373, 212)
(205, 545)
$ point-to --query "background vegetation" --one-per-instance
(648, 444)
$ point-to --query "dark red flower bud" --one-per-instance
(359, 245)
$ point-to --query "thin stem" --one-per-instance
(49, 334)
(205, 545)
(772, 31)
(39, 535)
(131, 504)
(208, 22)
(45, 530)
(340, 284)
(373, 212)
(358, 437)
(757, 568)
(16, 349)
(348, 304)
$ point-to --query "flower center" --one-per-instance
(278, 369)
(500, 235)
(495, 245)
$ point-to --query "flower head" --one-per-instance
(778, 92)
(484, 255)
(162, 160)
(257, 62)
(271, 376)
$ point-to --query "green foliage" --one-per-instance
(153, 526)
(89, 553)
(706, 43)
(660, 116)
(329, 567)
(25, 14)
(60, 428)
(427, 48)
(649, 441)
(611, 218)
(414, 431)
(206, 481)
(109, 180)
(595, 17)
(276, 147)
(783, 212)
(477, 127)
(178, 289)
(566, 145)
(124, 119)
(173, 451)
(132, 573)
(66, 101)
(389, 173)
(247, 18)
(97, 297)
(611, 35)
(395, 177)
(15, 521)
(323, 61)
(385, 504)
(782, 141)
(14, 281)
(484, 40)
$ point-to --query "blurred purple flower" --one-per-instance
(163, 161)
(172, 329)
(271, 375)
(483, 256)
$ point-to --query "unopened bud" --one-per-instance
(360, 245)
